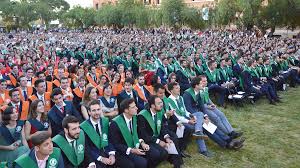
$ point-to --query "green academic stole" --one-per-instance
(75, 157)
(3, 165)
(132, 140)
(213, 76)
(254, 72)
(204, 95)
(267, 70)
(224, 73)
(24, 160)
(99, 142)
(180, 111)
(192, 92)
(156, 127)
(185, 73)
(259, 70)
(199, 69)
(166, 105)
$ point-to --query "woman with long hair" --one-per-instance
(37, 120)
(116, 84)
(102, 82)
(109, 103)
(90, 93)
(12, 136)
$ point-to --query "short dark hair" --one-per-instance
(2, 80)
(69, 119)
(29, 68)
(12, 90)
(63, 78)
(93, 102)
(171, 85)
(55, 92)
(195, 81)
(22, 76)
(158, 86)
(201, 77)
(125, 104)
(151, 100)
(37, 82)
(39, 73)
(40, 137)
(129, 80)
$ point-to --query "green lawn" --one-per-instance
(272, 136)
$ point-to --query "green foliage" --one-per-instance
(172, 10)
(22, 13)
(79, 17)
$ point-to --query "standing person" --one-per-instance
(72, 142)
(42, 155)
(37, 121)
(12, 136)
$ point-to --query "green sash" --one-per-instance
(166, 105)
(24, 160)
(192, 92)
(180, 111)
(199, 69)
(213, 76)
(224, 73)
(204, 95)
(99, 142)
(132, 140)
(156, 127)
(75, 157)
(3, 165)
(185, 73)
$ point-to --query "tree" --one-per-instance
(79, 17)
(172, 10)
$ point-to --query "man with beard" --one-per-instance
(153, 129)
(124, 136)
(43, 155)
(72, 142)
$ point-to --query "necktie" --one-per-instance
(97, 129)
(179, 103)
(17, 107)
(130, 126)
(62, 109)
(155, 123)
(25, 95)
(73, 145)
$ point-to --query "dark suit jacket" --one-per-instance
(55, 116)
(145, 131)
(138, 101)
(115, 137)
(32, 156)
(94, 151)
(161, 73)
(248, 81)
(87, 155)
(191, 105)
(182, 80)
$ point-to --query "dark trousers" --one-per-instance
(219, 137)
(156, 155)
(214, 88)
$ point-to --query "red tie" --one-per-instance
(17, 107)
(62, 109)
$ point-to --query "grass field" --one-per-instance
(272, 136)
